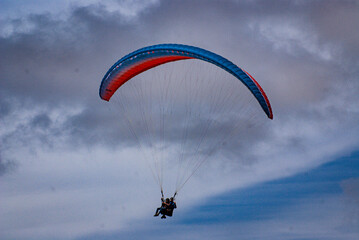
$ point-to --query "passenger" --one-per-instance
(172, 205)
(163, 208)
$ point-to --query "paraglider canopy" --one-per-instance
(152, 56)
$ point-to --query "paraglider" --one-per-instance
(150, 57)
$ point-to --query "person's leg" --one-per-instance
(157, 212)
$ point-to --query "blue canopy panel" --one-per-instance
(152, 56)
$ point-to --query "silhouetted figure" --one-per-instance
(166, 208)
(172, 205)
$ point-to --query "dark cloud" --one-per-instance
(58, 61)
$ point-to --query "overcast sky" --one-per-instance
(70, 170)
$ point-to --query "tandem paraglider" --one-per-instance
(178, 120)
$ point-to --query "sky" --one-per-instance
(70, 168)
